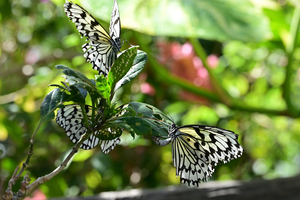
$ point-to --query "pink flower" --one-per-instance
(37, 195)
(212, 61)
(146, 88)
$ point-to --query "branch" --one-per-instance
(49, 176)
(27, 188)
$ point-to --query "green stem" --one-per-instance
(226, 98)
(290, 48)
(93, 109)
(163, 75)
(168, 78)
(85, 118)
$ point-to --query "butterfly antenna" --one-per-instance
(170, 117)
(127, 42)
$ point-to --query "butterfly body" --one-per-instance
(197, 149)
(102, 49)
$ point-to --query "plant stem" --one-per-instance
(169, 78)
(164, 75)
(49, 176)
(226, 98)
(290, 48)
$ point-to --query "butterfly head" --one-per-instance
(116, 43)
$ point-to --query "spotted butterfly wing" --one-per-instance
(108, 145)
(102, 49)
(115, 26)
(70, 118)
(197, 149)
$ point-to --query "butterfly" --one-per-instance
(197, 149)
(70, 118)
(102, 49)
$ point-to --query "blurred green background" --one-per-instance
(231, 64)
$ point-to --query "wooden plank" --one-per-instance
(276, 189)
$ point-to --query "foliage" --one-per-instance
(244, 80)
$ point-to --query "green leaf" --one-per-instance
(139, 114)
(76, 95)
(71, 72)
(158, 121)
(139, 125)
(121, 123)
(103, 87)
(121, 65)
(109, 132)
(81, 81)
(159, 128)
(59, 86)
(51, 102)
(149, 111)
(138, 65)
(208, 19)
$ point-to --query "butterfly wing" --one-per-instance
(70, 118)
(197, 149)
(108, 145)
(115, 26)
(99, 51)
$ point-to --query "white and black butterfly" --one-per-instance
(197, 149)
(102, 49)
(70, 118)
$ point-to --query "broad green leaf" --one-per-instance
(82, 91)
(149, 111)
(109, 133)
(120, 123)
(138, 65)
(76, 95)
(145, 114)
(71, 72)
(81, 81)
(158, 121)
(103, 87)
(208, 19)
(51, 102)
(121, 66)
(139, 125)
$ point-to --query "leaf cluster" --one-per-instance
(136, 118)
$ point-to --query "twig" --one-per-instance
(22, 191)
(26, 163)
(26, 188)
(49, 176)
(8, 192)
